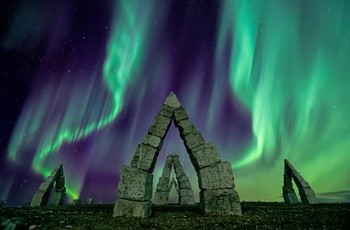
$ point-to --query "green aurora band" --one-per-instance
(123, 61)
(289, 68)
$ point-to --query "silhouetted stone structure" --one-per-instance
(307, 195)
(42, 195)
(77, 202)
(184, 188)
(90, 201)
(215, 177)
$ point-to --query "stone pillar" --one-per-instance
(135, 193)
(60, 190)
(215, 178)
(161, 195)
(41, 196)
(185, 188)
(307, 195)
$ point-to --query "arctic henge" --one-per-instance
(215, 178)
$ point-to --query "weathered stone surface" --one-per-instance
(204, 155)
(223, 201)
(307, 195)
(217, 176)
(41, 196)
(306, 192)
(135, 184)
(160, 126)
(163, 183)
(172, 101)
(299, 180)
(145, 157)
(166, 172)
(132, 208)
(186, 200)
(193, 140)
(153, 141)
(185, 127)
(57, 198)
(166, 111)
(60, 182)
(309, 199)
(180, 114)
(290, 198)
(77, 202)
(161, 198)
(89, 201)
(186, 192)
(185, 184)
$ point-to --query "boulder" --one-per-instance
(204, 155)
(130, 208)
(145, 157)
(160, 126)
(193, 140)
(223, 201)
(217, 176)
(135, 184)
(179, 115)
(153, 141)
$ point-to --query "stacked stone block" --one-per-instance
(214, 176)
(161, 195)
(42, 195)
(136, 182)
(183, 187)
(307, 195)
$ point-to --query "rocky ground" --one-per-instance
(256, 215)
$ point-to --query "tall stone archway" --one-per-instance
(41, 196)
(307, 195)
(215, 178)
(164, 186)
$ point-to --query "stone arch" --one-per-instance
(42, 195)
(215, 178)
(307, 195)
(183, 187)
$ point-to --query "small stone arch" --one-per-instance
(164, 186)
(215, 178)
(307, 195)
(41, 196)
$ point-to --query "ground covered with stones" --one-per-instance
(256, 215)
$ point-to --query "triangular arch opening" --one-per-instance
(307, 195)
(215, 178)
(42, 195)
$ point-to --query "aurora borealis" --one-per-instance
(264, 80)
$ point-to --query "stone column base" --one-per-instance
(132, 208)
(222, 201)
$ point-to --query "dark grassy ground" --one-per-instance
(256, 215)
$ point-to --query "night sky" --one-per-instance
(264, 80)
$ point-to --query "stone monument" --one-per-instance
(215, 178)
(183, 187)
(41, 196)
(307, 195)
